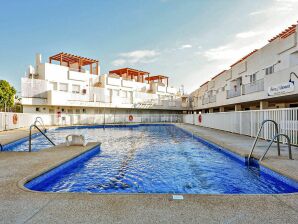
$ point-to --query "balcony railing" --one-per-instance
(256, 86)
(212, 99)
(209, 99)
(205, 100)
(233, 93)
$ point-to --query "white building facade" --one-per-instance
(266, 78)
(74, 86)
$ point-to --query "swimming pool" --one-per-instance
(158, 159)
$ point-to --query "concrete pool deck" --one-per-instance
(19, 205)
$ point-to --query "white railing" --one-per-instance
(33, 88)
(10, 120)
(234, 93)
(205, 100)
(212, 99)
(248, 122)
(256, 86)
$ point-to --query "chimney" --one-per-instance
(38, 59)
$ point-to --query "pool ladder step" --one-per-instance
(276, 136)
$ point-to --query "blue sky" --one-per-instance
(188, 40)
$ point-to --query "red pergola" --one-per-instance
(129, 72)
(158, 78)
(70, 59)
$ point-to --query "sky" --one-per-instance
(188, 40)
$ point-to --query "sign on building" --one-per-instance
(281, 89)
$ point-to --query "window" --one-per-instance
(75, 88)
(63, 87)
(253, 78)
(53, 85)
(269, 70)
(37, 109)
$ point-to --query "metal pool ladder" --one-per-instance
(276, 136)
(40, 121)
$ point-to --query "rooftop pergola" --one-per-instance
(70, 59)
(129, 72)
(158, 78)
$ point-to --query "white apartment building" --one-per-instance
(71, 84)
(265, 78)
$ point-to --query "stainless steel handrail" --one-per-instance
(30, 136)
(40, 121)
(277, 136)
(257, 137)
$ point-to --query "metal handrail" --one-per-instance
(30, 136)
(257, 137)
(40, 121)
(277, 136)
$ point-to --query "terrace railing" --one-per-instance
(233, 93)
(256, 86)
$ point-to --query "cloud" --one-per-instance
(119, 62)
(278, 6)
(136, 57)
(247, 34)
(185, 46)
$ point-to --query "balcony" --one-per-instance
(234, 92)
(209, 99)
(205, 100)
(212, 99)
(256, 86)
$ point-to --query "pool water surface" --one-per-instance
(156, 159)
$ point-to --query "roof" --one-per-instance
(219, 74)
(285, 33)
(71, 59)
(156, 77)
(245, 57)
(204, 84)
(129, 71)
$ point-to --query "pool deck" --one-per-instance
(19, 205)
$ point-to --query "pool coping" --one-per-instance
(231, 154)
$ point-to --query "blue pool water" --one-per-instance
(156, 159)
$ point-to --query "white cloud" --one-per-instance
(278, 6)
(119, 62)
(136, 57)
(247, 34)
(185, 46)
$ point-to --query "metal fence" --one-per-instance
(10, 121)
(248, 122)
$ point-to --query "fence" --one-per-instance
(248, 122)
(10, 121)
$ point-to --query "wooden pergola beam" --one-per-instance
(72, 59)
